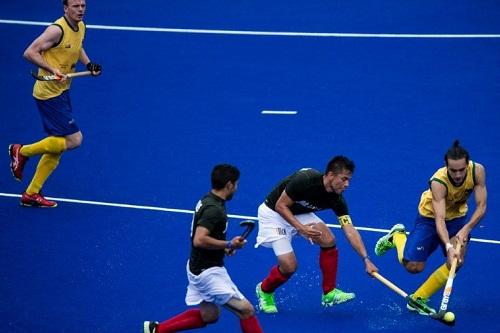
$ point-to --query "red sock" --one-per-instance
(183, 321)
(328, 261)
(250, 325)
(273, 280)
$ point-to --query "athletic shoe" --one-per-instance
(420, 306)
(266, 300)
(336, 296)
(385, 242)
(150, 326)
(17, 161)
(36, 200)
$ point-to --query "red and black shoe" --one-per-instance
(17, 161)
(36, 200)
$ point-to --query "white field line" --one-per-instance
(277, 112)
(262, 33)
(187, 211)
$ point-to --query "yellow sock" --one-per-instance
(47, 164)
(49, 145)
(399, 239)
(436, 281)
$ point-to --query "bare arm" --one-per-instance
(283, 208)
(34, 52)
(84, 59)
(93, 67)
(356, 242)
(480, 195)
(439, 207)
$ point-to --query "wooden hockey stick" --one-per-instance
(57, 78)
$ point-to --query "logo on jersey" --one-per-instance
(307, 205)
(420, 248)
(281, 231)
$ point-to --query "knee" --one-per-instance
(288, 268)
(210, 316)
(327, 237)
(414, 267)
(247, 311)
(328, 240)
(73, 141)
(460, 263)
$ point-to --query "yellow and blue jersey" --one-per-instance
(456, 196)
(64, 56)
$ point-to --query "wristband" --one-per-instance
(448, 246)
(365, 257)
(229, 245)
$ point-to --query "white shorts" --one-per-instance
(273, 227)
(213, 285)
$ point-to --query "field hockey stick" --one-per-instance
(249, 225)
(449, 284)
(409, 299)
(57, 78)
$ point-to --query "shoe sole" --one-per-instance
(329, 304)
(11, 168)
(36, 205)
(395, 228)
(416, 311)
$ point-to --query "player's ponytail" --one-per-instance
(456, 152)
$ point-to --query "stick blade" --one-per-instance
(440, 316)
(245, 223)
(249, 225)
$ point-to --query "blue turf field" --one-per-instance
(171, 105)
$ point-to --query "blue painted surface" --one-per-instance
(170, 106)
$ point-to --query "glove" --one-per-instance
(93, 67)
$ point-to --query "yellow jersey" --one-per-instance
(64, 56)
(456, 196)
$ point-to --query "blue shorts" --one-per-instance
(423, 239)
(57, 115)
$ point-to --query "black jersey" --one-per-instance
(306, 188)
(210, 213)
